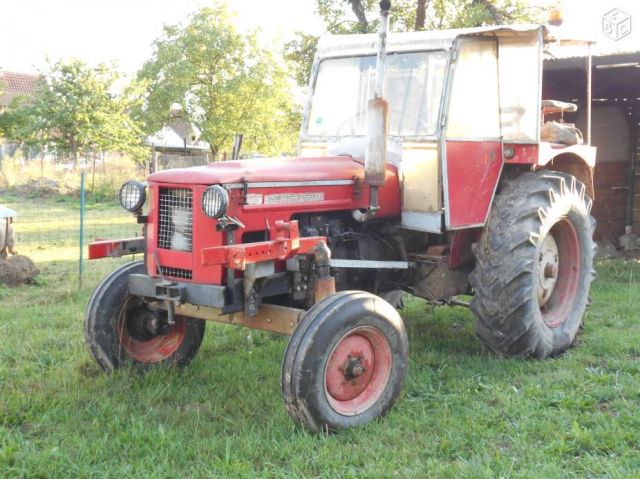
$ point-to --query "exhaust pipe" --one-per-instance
(375, 158)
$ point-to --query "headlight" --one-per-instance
(215, 201)
(132, 195)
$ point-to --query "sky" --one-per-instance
(585, 18)
(123, 30)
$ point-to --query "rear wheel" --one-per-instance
(121, 330)
(345, 363)
(534, 266)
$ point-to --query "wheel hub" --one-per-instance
(548, 262)
(146, 334)
(350, 367)
(143, 324)
(353, 368)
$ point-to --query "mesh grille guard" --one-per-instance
(175, 219)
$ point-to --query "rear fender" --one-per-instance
(575, 164)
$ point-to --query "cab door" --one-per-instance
(471, 146)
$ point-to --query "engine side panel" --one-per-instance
(258, 206)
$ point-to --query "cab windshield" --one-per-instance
(345, 85)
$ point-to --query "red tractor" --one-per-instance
(421, 170)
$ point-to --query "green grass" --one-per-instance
(463, 413)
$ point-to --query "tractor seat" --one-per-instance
(556, 106)
(559, 132)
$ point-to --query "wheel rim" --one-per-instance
(558, 273)
(147, 347)
(358, 370)
(548, 269)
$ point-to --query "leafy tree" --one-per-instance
(299, 53)
(74, 111)
(14, 122)
(226, 83)
(361, 16)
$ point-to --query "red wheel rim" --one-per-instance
(557, 308)
(156, 348)
(358, 370)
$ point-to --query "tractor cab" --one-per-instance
(462, 105)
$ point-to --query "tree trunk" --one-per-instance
(93, 172)
(421, 15)
(153, 164)
(214, 151)
(4, 177)
(359, 11)
(74, 152)
(496, 16)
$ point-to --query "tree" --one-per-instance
(75, 111)
(361, 16)
(226, 83)
(299, 53)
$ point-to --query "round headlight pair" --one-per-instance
(132, 195)
(215, 201)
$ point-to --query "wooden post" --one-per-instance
(81, 259)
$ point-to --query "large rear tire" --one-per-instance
(534, 266)
(117, 328)
(345, 363)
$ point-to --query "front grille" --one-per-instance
(175, 219)
(176, 272)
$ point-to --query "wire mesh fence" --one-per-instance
(49, 230)
(166, 161)
(47, 227)
(45, 191)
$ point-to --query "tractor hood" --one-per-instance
(267, 170)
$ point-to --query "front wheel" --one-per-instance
(534, 266)
(121, 330)
(345, 363)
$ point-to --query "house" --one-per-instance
(178, 145)
(16, 84)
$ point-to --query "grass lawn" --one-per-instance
(463, 413)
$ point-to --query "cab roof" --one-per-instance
(359, 44)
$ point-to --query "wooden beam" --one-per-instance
(277, 319)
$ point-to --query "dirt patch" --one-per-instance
(630, 255)
(89, 369)
(17, 270)
(40, 188)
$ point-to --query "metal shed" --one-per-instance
(615, 130)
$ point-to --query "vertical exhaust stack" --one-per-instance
(237, 145)
(375, 159)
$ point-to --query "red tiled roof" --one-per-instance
(13, 84)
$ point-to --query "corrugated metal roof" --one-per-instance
(167, 137)
(556, 52)
(6, 212)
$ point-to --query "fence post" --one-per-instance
(81, 262)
